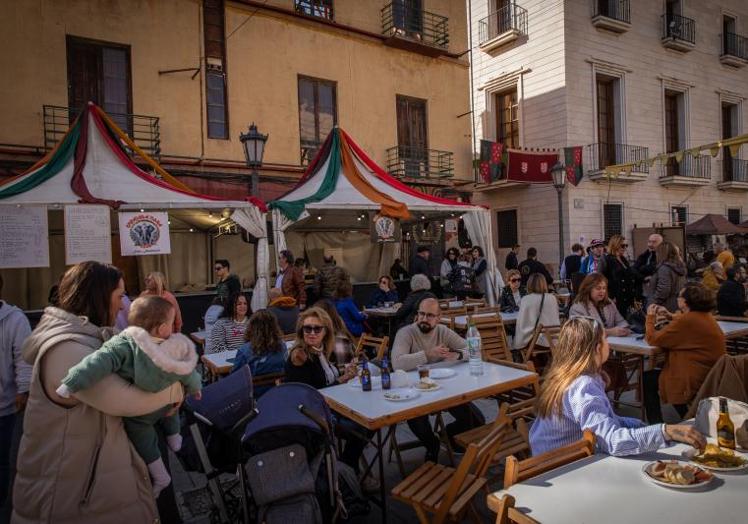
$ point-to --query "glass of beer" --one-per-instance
(423, 372)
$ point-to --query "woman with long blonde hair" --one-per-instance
(155, 285)
(573, 399)
(623, 282)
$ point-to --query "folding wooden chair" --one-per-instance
(506, 513)
(517, 471)
(451, 303)
(486, 309)
(474, 302)
(519, 409)
(371, 345)
(494, 345)
(534, 350)
(440, 493)
(448, 317)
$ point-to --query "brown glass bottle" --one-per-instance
(725, 427)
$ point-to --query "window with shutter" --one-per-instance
(506, 228)
(214, 38)
(507, 118)
(733, 215)
(612, 220)
(317, 114)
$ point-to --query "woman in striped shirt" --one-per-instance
(573, 399)
(229, 330)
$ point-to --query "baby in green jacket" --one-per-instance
(150, 357)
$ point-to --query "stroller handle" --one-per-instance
(316, 418)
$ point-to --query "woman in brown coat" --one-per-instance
(692, 341)
(75, 463)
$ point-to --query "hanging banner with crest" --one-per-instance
(384, 229)
(530, 167)
(144, 233)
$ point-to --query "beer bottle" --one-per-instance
(386, 383)
(725, 427)
(365, 376)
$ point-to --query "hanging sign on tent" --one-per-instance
(24, 237)
(144, 233)
(88, 234)
(384, 229)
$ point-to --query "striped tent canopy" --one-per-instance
(342, 176)
(90, 165)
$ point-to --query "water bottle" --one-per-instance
(475, 361)
(365, 377)
(386, 382)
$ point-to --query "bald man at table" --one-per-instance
(426, 341)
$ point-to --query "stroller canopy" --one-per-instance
(279, 408)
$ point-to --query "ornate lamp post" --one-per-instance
(254, 148)
(558, 172)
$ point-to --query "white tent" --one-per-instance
(90, 165)
(343, 178)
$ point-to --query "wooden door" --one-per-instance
(727, 164)
(412, 134)
(84, 74)
(606, 123)
(672, 138)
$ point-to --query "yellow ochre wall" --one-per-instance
(264, 57)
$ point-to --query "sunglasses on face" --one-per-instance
(624, 245)
(316, 329)
(217, 268)
(515, 280)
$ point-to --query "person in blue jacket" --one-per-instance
(347, 309)
(385, 292)
(264, 352)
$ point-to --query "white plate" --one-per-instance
(376, 382)
(690, 453)
(400, 395)
(645, 472)
(440, 373)
(436, 386)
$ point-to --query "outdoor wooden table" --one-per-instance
(461, 320)
(198, 337)
(614, 490)
(372, 411)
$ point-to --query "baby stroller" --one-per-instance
(291, 469)
(213, 445)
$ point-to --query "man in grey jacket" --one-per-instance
(15, 375)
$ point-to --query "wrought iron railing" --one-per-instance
(735, 45)
(690, 167)
(616, 9)
(416, 162)
(734, 170)
(318, 8)
(499, 22)
(143, 130)
(679, 28)
(602, 155)
(404, 19)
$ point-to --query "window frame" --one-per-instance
(672, 208)
(502, 244)
(622, 230)
(499, 112)
(316, 82)
(739, 209)
(312, 5)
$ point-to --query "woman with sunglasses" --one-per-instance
(384, 294)
(311, 361)
(512, 293)
(572, 399)
(622, 278)
(592, 301)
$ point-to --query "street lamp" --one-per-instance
(254, 148)
(558, 172)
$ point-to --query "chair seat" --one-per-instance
(514, 441)
(427, 485)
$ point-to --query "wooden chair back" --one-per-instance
(474, 302)
(520, 402)
(550, 333)
(494, 345)
(506, 513)
(448, 316)
(268, 379)
(451, 303)
(518, 471)
(476, 461)
(369, 344)
(486, 309)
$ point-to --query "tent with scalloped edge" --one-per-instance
(343, 179)
(90, 165)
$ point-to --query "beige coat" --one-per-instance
(75, 463)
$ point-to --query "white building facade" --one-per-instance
(626, 79)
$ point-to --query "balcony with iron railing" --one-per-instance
(419, 163)
(502, 27)
(613, 15)
(690, 171)
(413, 29)
(315, 8)
(734, 50)
(601, 155)
(678, 32)
(142, 129)
(734, 174)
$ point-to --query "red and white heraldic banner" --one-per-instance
(144, 233)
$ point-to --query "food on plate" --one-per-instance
(678, 474)
(716, 457)
(392, 396)
(426, 384)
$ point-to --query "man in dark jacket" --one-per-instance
(420, 263)
(328, 278)
(731, 300)
(646, 263)
(511, 258)
(531, 265)
(228, 283)
(573, 262)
